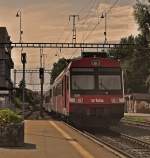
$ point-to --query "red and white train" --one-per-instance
(89, 92)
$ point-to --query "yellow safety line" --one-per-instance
(84, 153)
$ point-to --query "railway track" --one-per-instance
(120, 144)
(145, 125)
(132, 146)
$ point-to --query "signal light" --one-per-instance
(41, 73)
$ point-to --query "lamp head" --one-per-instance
(102, 16)
(17, 15)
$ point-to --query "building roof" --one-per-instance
(4, 37)
(141, 96)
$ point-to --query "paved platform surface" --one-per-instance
(144, 117)
(137, 114)
(53, 139)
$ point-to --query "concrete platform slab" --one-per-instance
(52, 139)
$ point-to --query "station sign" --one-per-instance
(4, 92)
(95, 62)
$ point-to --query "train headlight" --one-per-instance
(121, 100)
(117, 100)
(79, 100)
(76, 100)
(72, 100)
(114, 100)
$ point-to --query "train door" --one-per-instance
(65, 94)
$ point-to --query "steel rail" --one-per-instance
(120, 153)
(145, 125)
(136, 141)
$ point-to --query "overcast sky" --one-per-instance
(48, 21)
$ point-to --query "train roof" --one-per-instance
(88, 60)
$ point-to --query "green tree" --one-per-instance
(58, 68)
(136, 61)
(142, 16)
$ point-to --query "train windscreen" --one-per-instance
(109, 82)
(96, 80)
(83, 82)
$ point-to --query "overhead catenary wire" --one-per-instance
(85, 19)
(94, 28)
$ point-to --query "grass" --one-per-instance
(139, 119)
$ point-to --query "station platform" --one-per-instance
(53, 139)
(137, 114)
(144, 117)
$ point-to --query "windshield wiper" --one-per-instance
(76, 85)
(103, 86)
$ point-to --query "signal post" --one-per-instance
(41, 76)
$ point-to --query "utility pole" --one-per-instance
(15, 71)
(74, 26)
(104, 15)
(23, 60)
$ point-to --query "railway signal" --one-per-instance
(23, 60)
(41, 76)
(69, 45)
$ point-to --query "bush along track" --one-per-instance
(11, 129)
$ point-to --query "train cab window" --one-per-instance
(109, 70)
(67, 82)
(62, 88)
(109, 82)
(50, 93)
(59, 89)
(83, 82)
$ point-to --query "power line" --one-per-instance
(108, 11)
(85, 7)
(88, 16)
(114, 4)
(94, 28)
(88, 13)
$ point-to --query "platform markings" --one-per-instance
(84, 153)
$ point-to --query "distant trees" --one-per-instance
(136, 62)
(58, 67)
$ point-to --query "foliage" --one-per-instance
(22, 84)
(142, 16)
(32, 98)
(17, 102)
(7, 116)
(136, 61)
(58, 67)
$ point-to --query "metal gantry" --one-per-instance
(32, 71)
(48, 71)
(65, 45)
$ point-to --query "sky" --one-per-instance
(48, 21)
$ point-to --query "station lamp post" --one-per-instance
(23, 59)
(19, 15)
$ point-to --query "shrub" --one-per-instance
(17, 102)
(8, 116)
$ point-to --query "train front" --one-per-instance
(96, 92)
